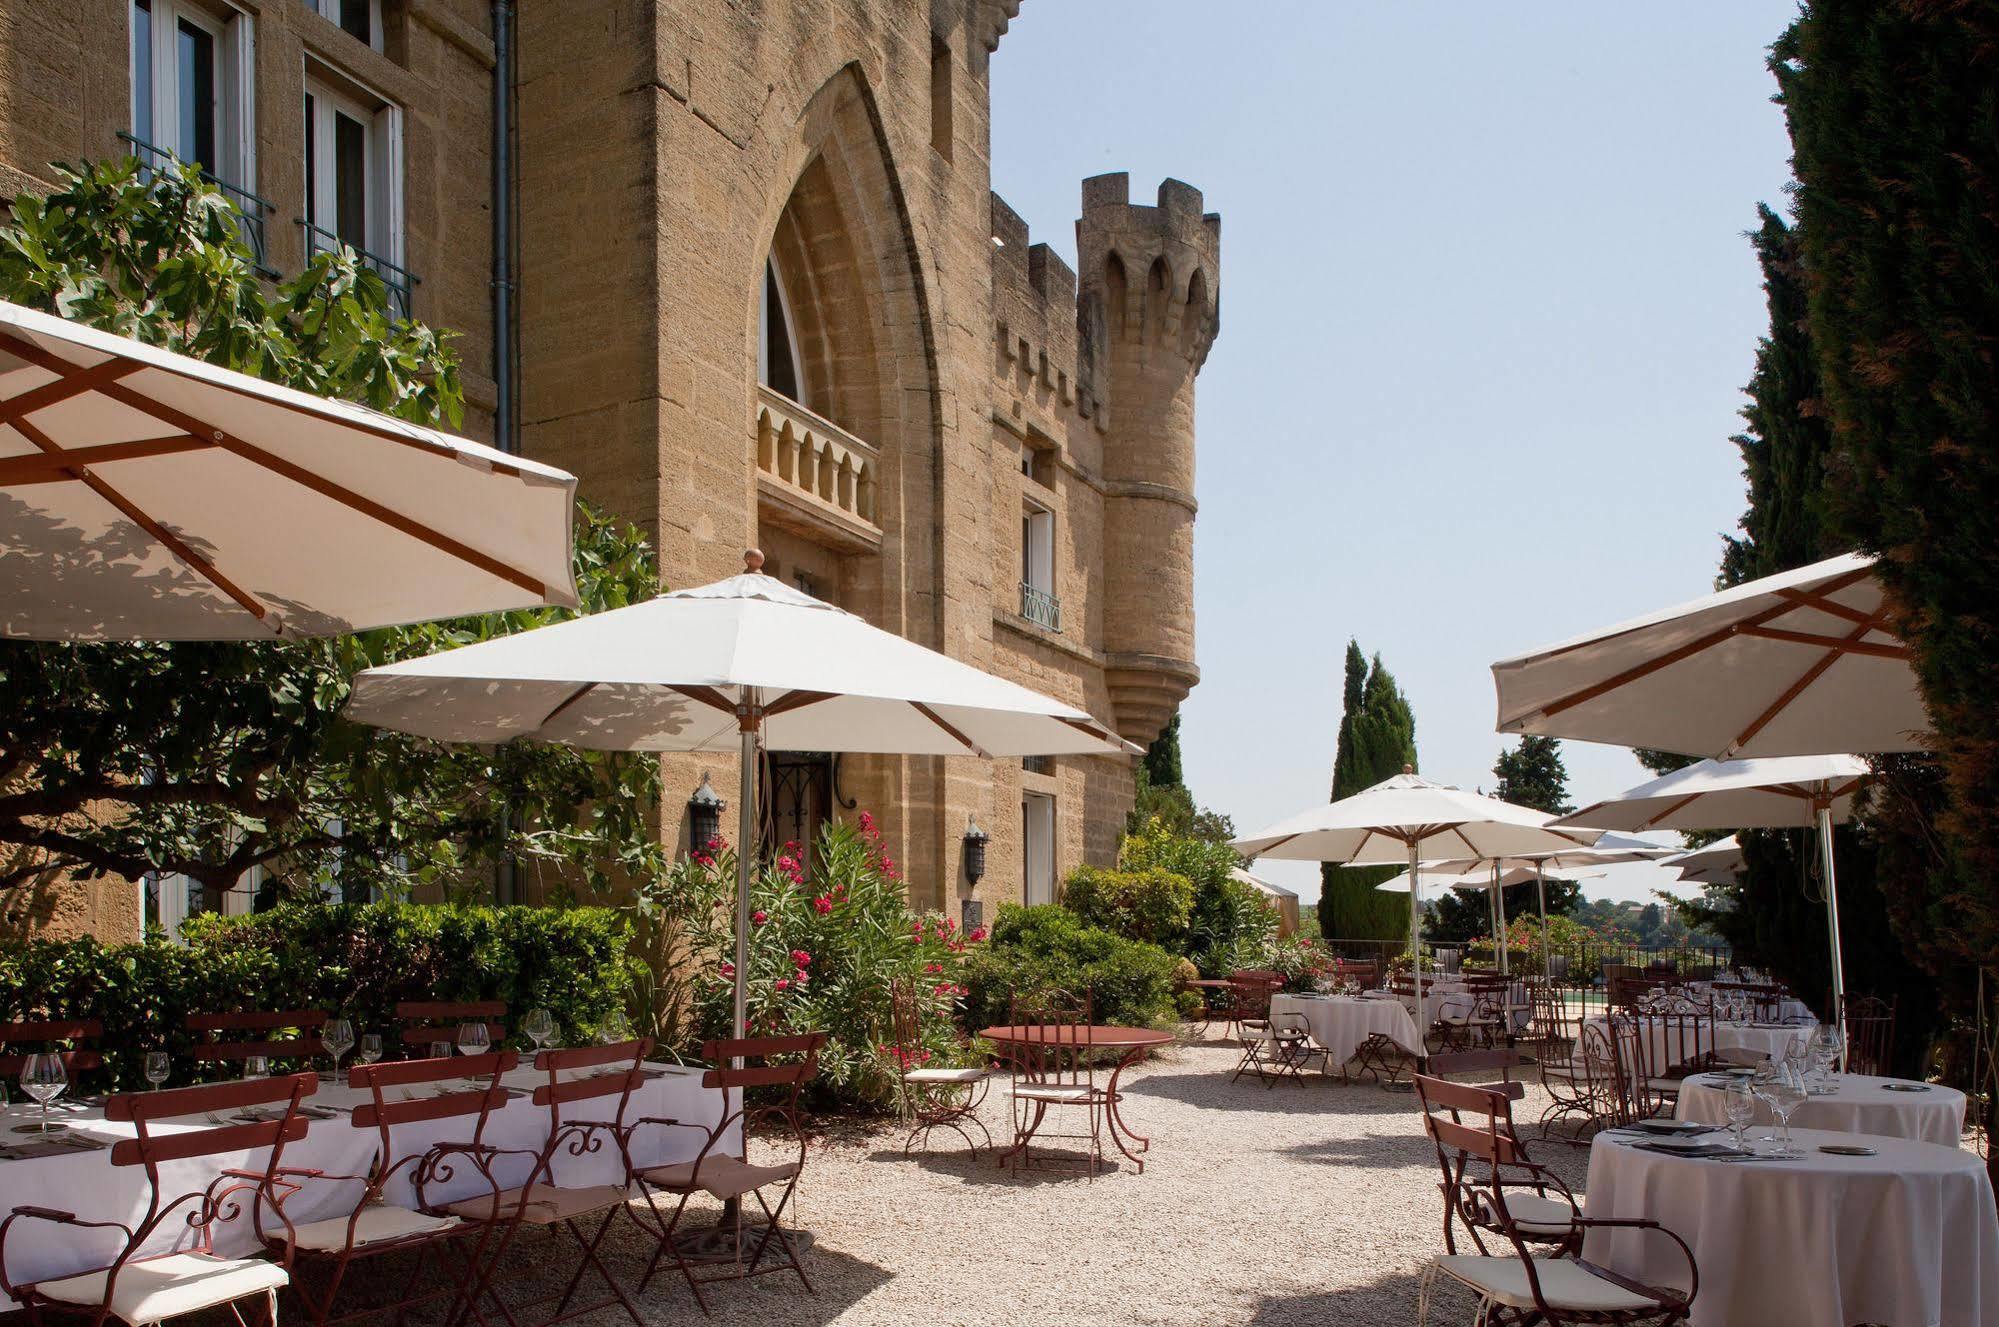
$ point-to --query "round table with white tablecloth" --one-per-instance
(1450, 999)
(1341, 1024)
(1768, 1040)
(1908, 1235)
(1891, 1107)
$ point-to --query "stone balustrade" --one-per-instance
(815, 476)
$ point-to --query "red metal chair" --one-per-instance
(932, 1096)
(144, 1288)
(424, 1023)
(402, 1093)
(729, 1179)
(543, 1200)
(1489, 1187)
(1870, 1034)
(1057, 1068)
(291, 1034)
(47, 1033)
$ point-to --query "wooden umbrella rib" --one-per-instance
(795, 700)
(1651, 822)
(72, 380)
(956, 736)
(708, 696)
(59, 466)
(569, 700)
(1875, 649)
(325, 487)
(1797, 688)
(200, 565)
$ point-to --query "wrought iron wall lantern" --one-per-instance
(975, 849)
(704, 815)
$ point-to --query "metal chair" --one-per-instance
(47, 1033)
(1674, 1041)
(932, 1098)
(546, 1203)
(1588, 1087)
(728, 1178)
(424, 1023)
(1490, 1187)
(276, 1035)
(1870, 1034)
(142, 1288)
(375, 1226)
(1056, 1069)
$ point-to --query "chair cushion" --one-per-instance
(945, 1075)
(724, 1177)
(546, 1203)
(1538, 1215)
(1060, 1096)
(377, 1224)
(155, 1288)
(1564, 1284)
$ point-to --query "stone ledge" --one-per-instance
(1040, 635)
(1141, 488)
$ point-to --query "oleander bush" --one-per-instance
(1151, 903)
(355, 959)
(1048, 948)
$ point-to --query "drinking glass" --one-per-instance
(616, 1028)
(440, 1050)
(474, 1039)
(159, 1067)
(256, 1066)
(1739, 1103)
(1787, 1093)
(338, 1038)
(540, 1027)
(371, 1048)
(43, 1077)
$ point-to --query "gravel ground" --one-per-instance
(1313, 1204)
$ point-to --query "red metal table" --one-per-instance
(1132, 1042)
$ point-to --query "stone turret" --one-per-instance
(1148, 314)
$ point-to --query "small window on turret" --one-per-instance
(940, 96)
(1037, 461)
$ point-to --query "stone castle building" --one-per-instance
(762, 294)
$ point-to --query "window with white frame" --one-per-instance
(778, 363)
(1038, 601)
(1037, 848)
(360, 19)
(354, 177)
(193, 88)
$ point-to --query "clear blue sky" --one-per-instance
(1486, 313)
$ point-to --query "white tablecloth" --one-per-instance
(1768, 1042)
(1341, 1025)
(1449, 998)
(1907, 1237)
(87, 1184)
(1858, 1105)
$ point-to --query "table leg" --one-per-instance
(1119, 1129)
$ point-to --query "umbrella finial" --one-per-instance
(1408, 768)
(753, 559)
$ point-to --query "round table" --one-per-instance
(1769, 1041)
(1132, 1043)
(1341, 1024)
(1859, 1105)
(1909, 1235)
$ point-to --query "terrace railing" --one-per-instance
(402, 282)
(252, 208)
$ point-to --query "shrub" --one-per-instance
(1150, 904)
(1231, 925)
(1046, 947)
(356, 959)
(1300, 960)
(822, 956)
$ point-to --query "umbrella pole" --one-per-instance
(1832, 928)
(1541, 907)
(1499, 922)
(748, 716)
(1416, 944)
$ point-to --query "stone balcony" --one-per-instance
(814, 477)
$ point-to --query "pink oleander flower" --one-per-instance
(703, 859)
(728, 968)
(787, 863)
(759, 917)
(718, 844)
(977, 935)
(800, 976)
(784, 983)
(823, 904)
(933, 968)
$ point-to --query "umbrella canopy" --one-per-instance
(147, 495)
(1800, 663)
(744, 663)
(1422, 819)
(1457, 875)
(1717, 863)
(1734, 794)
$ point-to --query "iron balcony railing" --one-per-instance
(1040, 607)
(402, 282)
(251, 208)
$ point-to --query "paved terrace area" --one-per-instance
(1287, 1205)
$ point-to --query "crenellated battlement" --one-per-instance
(1034, 314)
(1154, 270)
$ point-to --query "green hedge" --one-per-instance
(356, 959)
(1153, 904)
(1035, 949)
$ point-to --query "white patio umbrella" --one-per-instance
(1566, 864)
(1796, 664)
(1421, 819)
(1779, 792)
(1495, 879)
(1716, 863)
(744, 663)
(146, 495)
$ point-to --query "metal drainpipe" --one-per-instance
(505, 886)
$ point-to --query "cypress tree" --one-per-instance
(1377, 738)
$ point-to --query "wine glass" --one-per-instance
(540, 1027)
(1786, 1093)
(616, 1028)
(338, 1038)
(474, 1039)
(1739, 1105)
(159, 1067)
(440, 1050)
(43, 1077)
(371, 1048)
(256, 1066)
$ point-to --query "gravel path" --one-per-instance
(1315, 1204)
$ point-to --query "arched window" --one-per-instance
(777, 341)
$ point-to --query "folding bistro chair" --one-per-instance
(421, 1024)
(1282, 1049)
(545, 1202)
(401, 1093)
(728, 1178)
(932, 1098)
(144, 1288)
(276, 1035)
(1490, 1188)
